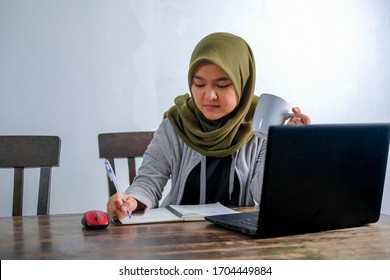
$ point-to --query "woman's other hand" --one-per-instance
(298, 118)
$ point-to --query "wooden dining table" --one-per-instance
(63, 237)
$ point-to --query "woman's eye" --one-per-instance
(223, 86)
(199, 85)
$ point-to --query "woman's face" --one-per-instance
(213, 92)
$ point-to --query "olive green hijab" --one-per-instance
(221, 137)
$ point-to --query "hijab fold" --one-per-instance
(218, 138)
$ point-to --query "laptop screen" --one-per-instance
(322, 177)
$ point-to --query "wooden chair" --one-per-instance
(20, 152)
(130, 145)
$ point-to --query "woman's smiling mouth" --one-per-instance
(210, 107)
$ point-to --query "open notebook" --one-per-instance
(318, 177)
(176, 213)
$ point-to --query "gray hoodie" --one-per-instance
(168, 157)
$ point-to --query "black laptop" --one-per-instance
(316, 178)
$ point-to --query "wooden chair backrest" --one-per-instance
(129, 145)
(20, 152)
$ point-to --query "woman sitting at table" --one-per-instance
(205, 143)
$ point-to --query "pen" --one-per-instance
(111, 174)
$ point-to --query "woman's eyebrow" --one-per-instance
(216, 80)
(197, 77)
(222, 79)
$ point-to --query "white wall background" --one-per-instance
(78, 68)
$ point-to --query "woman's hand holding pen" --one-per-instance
(117, 209)
(298, 117)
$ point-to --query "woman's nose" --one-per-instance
(210, 93)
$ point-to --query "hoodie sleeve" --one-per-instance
(154, 172)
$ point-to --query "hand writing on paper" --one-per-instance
(117, 209)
